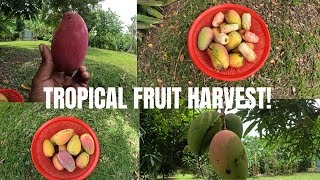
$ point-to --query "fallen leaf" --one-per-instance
(160, 81)
(261, 5)
(273, 61)
(161, 25)
(181, 57)
(171, 27)
(293, 90)
(6, 81)
(190, 83)
(25, 86)
(150, 45)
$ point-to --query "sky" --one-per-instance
(126, 9)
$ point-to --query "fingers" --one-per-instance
(82, 77)
(45, 70)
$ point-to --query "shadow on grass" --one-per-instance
(19, 65)
(118, 137)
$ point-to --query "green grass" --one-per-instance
(294, 29)
(19, 61)
(298, 176)
(117, 132)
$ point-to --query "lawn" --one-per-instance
(298, 176)
(19, 61)
(293, 66)
(116, 130)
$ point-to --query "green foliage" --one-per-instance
(52, 11)
(163, 138)
(293, 123)
(27, 9)
(150, 12)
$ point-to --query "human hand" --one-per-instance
(47, 76)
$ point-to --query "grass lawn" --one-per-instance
(116, 130)
(298, 176)
(293, 66)
(19, 61)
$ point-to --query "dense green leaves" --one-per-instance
(293, 123)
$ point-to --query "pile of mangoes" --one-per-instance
(229, 43)
(220, 135)
(3, 98)
(68, 150)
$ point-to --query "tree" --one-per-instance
(293, 123)
(107, 32)
(27, 9)
(52, 11)
(133, 31)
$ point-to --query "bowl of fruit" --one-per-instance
(65, 148)
(10, 95)
(229, 42)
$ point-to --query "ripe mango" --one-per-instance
(3, 98)
(247, 52)
(62, 148)
(56, 163)
(221, 38)
(62, 137)
(218, 19)
(246, 21)
(47, 147)
(74, 145)
(227, 28)
(236, 60)
(201, 131)
(87, 143)
(82, 160)
(219, 57)
(232, 17)
(234, 124)
(251, 46)
(205, 38)
(234, 40)
(228, 156)
(70, 43)
(250, 37)
(66, 161)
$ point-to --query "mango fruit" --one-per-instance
(228, 156)
(62, 137)
(221, 38)
(87, 143)
(66, 161)
(247, 52)
(234, 40)
(3, 98)
(201, 131)
(74, 145)
(251, 46)
(205, 38)
(62, 148)
(250, 37)
(218, 19)
(246, 21)
(56, 163)
(47, 147)
(70, 43)
(234, 124)
(232, 17)
(227, 28)
(82, 160)
(236, 60)
(219, 57)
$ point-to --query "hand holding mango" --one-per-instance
(229, 30)
(70, 145)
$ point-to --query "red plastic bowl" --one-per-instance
(202, 60)
(12, 95)
(44, 164)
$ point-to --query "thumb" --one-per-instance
(45, 70)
